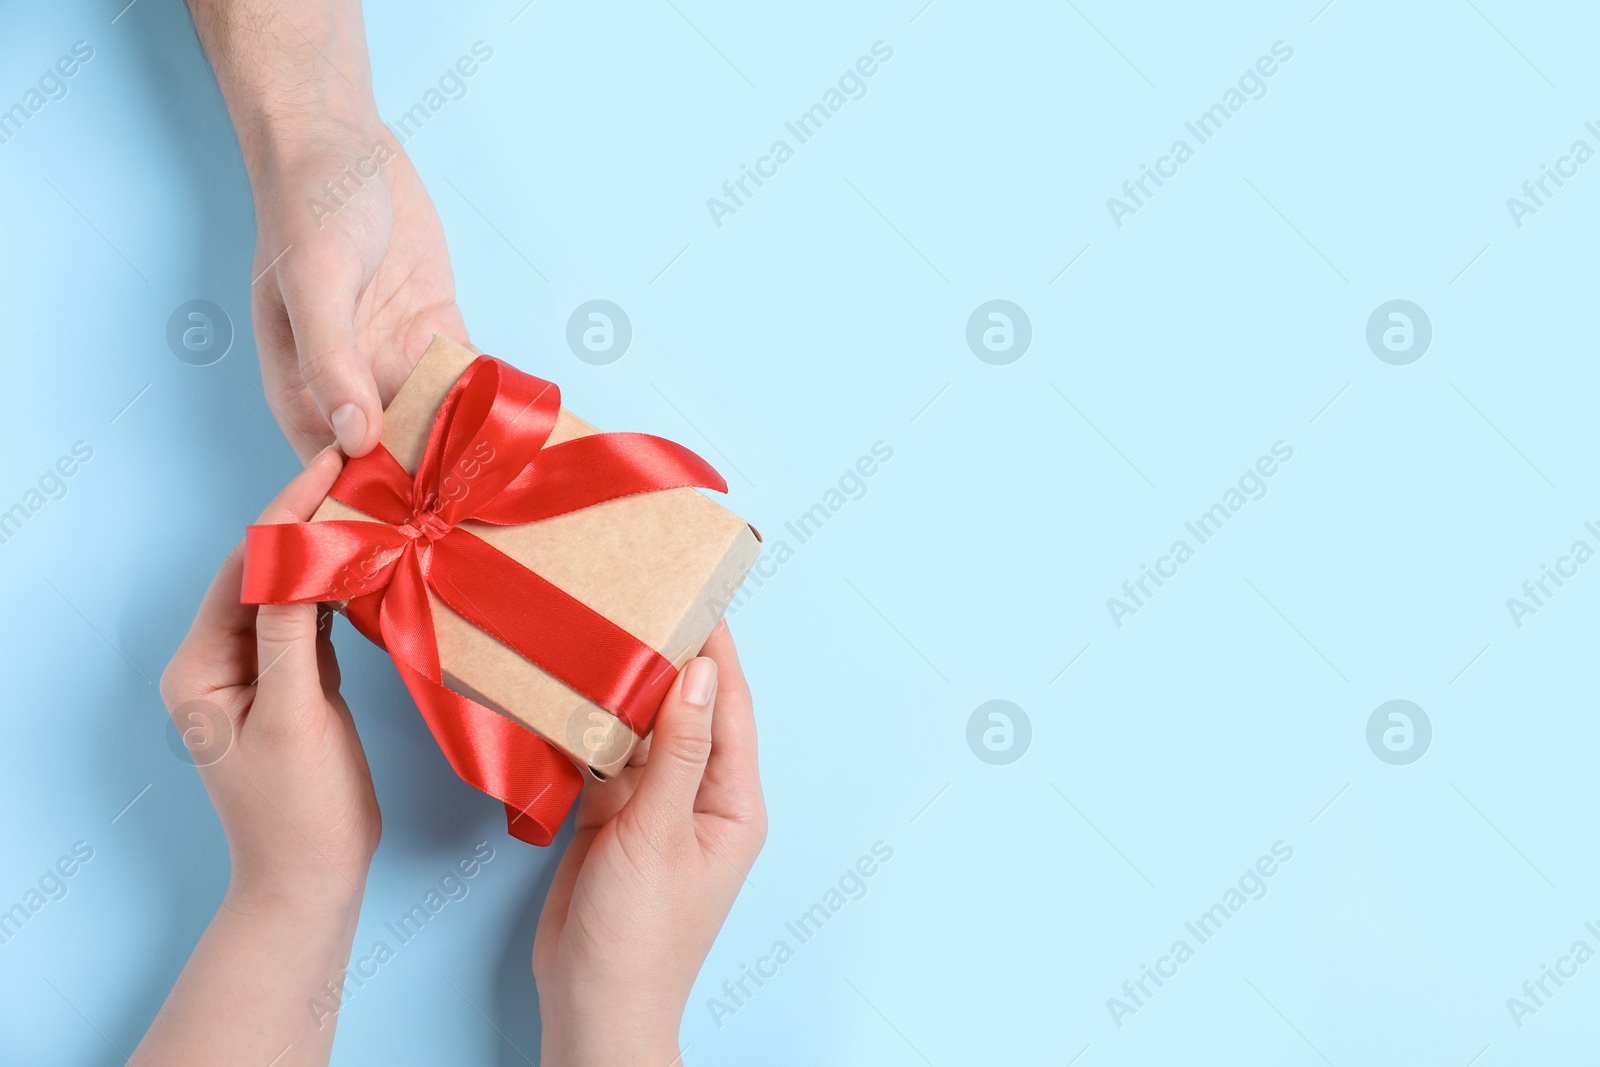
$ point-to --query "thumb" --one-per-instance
(680, 743)
(287, 665)
(335, 370)
(287, 668)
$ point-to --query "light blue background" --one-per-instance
(1228, 314)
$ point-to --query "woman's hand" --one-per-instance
(255, 694)
(254, 691)
(657, 859)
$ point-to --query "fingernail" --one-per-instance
(349, 426)
(699, 681)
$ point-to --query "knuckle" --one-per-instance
(657, 833)
(174, 683)
(281, 624)
(690, 746)
(733, 691)
(751, 820)
(289, 721)
(323, 369)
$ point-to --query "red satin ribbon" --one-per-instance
(486, 461)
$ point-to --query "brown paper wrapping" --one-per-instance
(657, 564)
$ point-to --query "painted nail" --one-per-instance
(349, 426)
(699, 681)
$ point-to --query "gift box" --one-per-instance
(520, 566)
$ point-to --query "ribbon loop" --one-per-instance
(485, 461)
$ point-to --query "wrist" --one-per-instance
(559, 1047)
(289, 71)
(329, 900)
(579, 1031)
(299, 148)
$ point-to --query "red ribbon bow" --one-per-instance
(486, 462)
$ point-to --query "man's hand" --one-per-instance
(354, 280)
(351, 275)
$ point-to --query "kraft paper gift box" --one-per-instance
(662, 565)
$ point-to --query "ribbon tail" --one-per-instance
(406, 619)
(494, 755)
(490, 752)
(535, 829)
